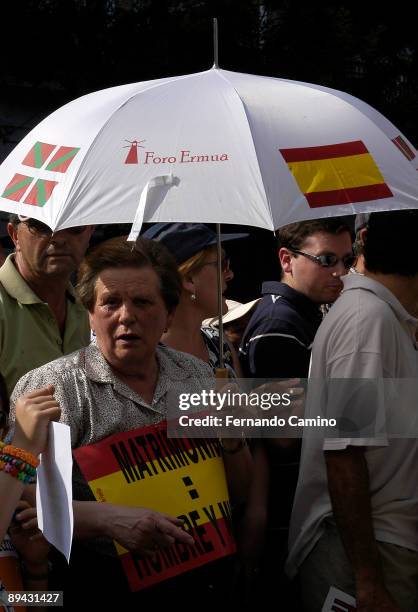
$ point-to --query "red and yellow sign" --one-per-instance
(336, 174)
(181, 477)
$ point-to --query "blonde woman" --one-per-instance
(194, 247)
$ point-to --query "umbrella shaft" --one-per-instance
(220, 297)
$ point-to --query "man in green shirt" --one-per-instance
(40, 317)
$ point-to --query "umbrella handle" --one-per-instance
(221, 373)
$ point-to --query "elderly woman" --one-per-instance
(194, 248)
(119, 383)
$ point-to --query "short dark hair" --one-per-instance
(390, 243)
(118, 253)
(294, 235)
(14, 219)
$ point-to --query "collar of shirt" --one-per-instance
(298, 299)
(16, 286)
(360, 281)
(98, 370)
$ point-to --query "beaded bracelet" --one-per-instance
(19, 453)
(18, 469)
(13, 471)
(21, 465)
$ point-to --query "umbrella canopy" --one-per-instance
(212, 147)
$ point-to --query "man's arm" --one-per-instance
(238, 465)
(348, 483)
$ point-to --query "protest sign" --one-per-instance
(181, 477)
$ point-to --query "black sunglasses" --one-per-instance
(327, 261)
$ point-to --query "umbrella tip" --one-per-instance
(215, 43)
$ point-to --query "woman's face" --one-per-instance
(129, 317)
(205, 284)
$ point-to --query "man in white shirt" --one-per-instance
(355, 517)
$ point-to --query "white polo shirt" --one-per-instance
(367, 334)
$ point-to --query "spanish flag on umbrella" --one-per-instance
(342, 173)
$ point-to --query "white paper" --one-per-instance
(338, 601)
(54, 494)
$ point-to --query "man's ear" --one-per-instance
(12, 231)
(285, 258)
(362, 236)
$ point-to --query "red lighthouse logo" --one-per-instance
(132, 157)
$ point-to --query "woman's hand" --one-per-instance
(144, 531)
(34, 411)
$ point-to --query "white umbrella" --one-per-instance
(212, 147)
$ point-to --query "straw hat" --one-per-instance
(236, 310)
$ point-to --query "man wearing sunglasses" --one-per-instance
(313, 256)
(40, 318)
